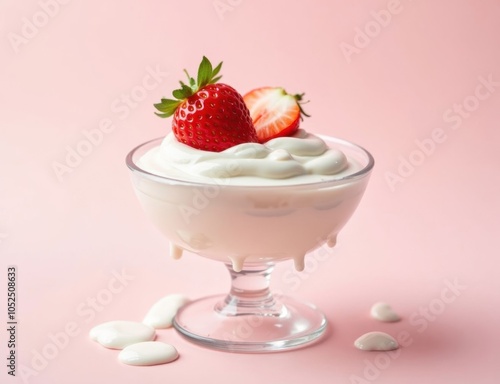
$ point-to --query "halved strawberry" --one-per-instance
(274, 112)
(208, 115)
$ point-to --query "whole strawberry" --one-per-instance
(208, 115)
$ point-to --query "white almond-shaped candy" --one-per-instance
(119, 334)
(148, 353)
(376, 341)
(162, 312)
(384, 312)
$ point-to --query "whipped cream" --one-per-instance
(300, 158)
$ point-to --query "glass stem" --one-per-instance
(250, 293)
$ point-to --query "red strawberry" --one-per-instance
(274, 112)
(208, 115)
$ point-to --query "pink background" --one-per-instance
(394, 88)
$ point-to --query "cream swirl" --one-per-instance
(279, 158)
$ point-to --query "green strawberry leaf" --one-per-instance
(216, 71)
(192, 82)
(162, 115)
(167, 106)
(183, 93)
(204, 72)
(206, 75)
(178, 94)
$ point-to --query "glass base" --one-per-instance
(294, 325)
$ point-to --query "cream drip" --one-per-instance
(176, 251)
(119, 334)
(376, 341)
(162, 313)
(384, 312)
(148, 353)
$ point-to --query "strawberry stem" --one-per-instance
(299, 97)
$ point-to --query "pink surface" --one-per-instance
(415, 82)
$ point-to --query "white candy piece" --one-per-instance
(376, 341)
(384, 312)
(148, 353)
(119, 334)
(162, 313)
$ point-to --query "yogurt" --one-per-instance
(251, 203)
(301, 158)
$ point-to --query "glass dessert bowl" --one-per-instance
(249, 227)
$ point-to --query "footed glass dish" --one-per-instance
(249, 229)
